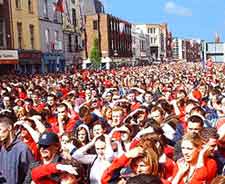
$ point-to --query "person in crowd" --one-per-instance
(88, 118)
(193, 167)
(49, 147)
(66, 172)
(194, 125)
(62, 122)
(51, 104)
(99, 161)
(149, 107)
(82, 134)
(15, 156)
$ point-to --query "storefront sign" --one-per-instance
(8, 54)
(30, 57)
(8, 57)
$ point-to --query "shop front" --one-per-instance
(53, 62)
(8, 61)
(29, 62)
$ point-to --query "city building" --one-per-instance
(26, 34)
(50, 21)
(72, 34)
(140, 46)
(114, 36)
(169, 47)
(8, 56)
(187, 50)
(193, 50)
(213, 50)
(158, 36)
(92, 7)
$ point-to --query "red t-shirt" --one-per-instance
(201, 175)
(68, 127)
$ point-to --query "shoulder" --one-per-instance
(210, 162)
(19, 145)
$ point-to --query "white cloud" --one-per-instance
(173, 8)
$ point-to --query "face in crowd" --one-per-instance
(62, 112)
(195, 124)
(100, 147)
(98, 130)
(5, 131)
(82, 135)
(131, 97)
(51, 101)
(157, 116)
(191, 146)
(117, 117)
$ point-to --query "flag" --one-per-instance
(59, 6)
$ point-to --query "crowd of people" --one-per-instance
(154, 124)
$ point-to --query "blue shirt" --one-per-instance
(14, 162)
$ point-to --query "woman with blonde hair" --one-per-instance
(194, 167)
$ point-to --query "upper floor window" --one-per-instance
(95, 24)
(74, 17)
(45, 8)
(30, 6)
(2, 33)
(32, 36)
(18, 4)
(56, 35)
(19, 34)
(47, 32)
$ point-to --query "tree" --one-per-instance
(95, 55)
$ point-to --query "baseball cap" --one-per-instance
(48, 138)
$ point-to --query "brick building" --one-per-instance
(114, 36)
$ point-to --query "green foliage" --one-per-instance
(95, 55)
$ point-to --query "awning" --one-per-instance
(8, 57)
(8, 62)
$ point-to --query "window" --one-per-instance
(47, 36)
(76, 43)
(18, 4)
(19, 34)
(2, 33)
(74, 17)
(32, 36)
(70, 43)
(56, 35)
(30, 6)
(95, 24)
(45, 8)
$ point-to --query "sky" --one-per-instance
(198, 19)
